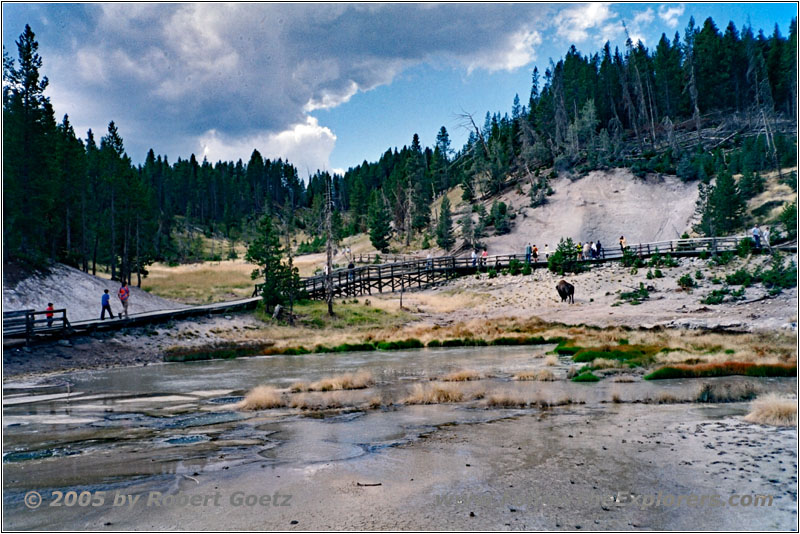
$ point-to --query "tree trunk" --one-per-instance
(84, 252)
(138, 258)
(329, 251)
(113, 240)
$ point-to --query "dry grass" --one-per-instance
(664, 397)
(262, 398)
(359, 380)
(541, 375)
(773, 409)
(434, 393)
(506, 400)
(624, 379)
(463, 375)
(726, 392)
(551, 360)
(200, 283)
(605, 363)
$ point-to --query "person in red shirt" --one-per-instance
(124, 294)
(49, 315)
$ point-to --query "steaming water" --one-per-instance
(108, 428)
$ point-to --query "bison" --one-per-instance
(566, 291)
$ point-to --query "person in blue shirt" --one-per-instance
(106, 306)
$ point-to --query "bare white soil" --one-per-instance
(598, 303)
(603, 205)
(78, 292)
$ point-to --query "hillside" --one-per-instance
(603, 205)
(76, 291)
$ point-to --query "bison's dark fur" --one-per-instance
(566, 291)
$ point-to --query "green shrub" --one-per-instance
(295, 351)
(740, 278)
(567, 351)
(492, 273)
(699, 274)
(636, 296)
(351, 347)
(716, 296)
(686, 282)
(778, 277)
(723, 258)
(526, 270)
(565, 258)
(586, 376)
(514, 267)
(631, 259)
(434, 343)
(658, 274)
(744, 247)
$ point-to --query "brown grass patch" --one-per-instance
(506, 400)
(262, 398)
(624, 379)
(728, 392)
(463, 375)
(551, 360)
(541, 375)
(359, 380)
(773, 409)
(434, 393)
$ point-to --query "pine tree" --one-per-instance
(379, 228)
(265, 251)
(444, 229)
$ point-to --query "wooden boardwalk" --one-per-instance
(420, 273)
(404, 275)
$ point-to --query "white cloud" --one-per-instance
(307, 146)
(670, 14)
(518, 50)
(575, 23)
(644, 17)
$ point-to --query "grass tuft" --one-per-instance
(262, 398)
(727, 368)
(773, 409)
(463, 375)
(541, 375)
(434, 393)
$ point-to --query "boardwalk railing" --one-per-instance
(26, 321)
(418, 273)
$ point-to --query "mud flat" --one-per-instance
(574, 458)
(563, 469)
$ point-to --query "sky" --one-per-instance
(324, 85)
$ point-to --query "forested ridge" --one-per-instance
(709, 104)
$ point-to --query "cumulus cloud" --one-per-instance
(224, 77)
(670, 14)
(575, 24)
(306, 145)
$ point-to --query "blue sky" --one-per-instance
(322, 85)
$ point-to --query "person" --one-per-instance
(430, 261)
(474, 257)
(351, 275)
(528, 253)
(535, 254)
(49, 314)
(765, 238)
(484, 257)
(546, 251)
(123, 295)
(599, 249)
(622, 243)
(579, 250)
(757, 236)
(104, 301)
(593, 247)
(587, 248)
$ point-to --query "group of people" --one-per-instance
(590, 250)
(483, 257)
(123, 294)
(761, 237)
